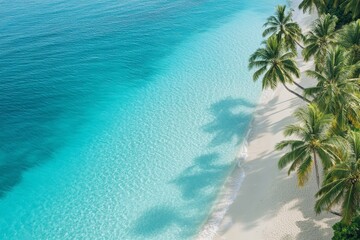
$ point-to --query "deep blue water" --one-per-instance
(121, 119)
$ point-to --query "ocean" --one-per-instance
(121, 119)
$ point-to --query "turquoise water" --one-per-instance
(121, 119)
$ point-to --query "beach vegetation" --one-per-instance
(336, 91)
(349, 39)
(312, 5)
(313, 144)
(343, 231)
(284, 28)
(326, 136)
(344, 10)
(274, 65)
(321, 37)
(341, 185)
(353, 7)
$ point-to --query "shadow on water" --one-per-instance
(158, 219)
(122, 31)
(229, 121)
(205, 173)
(198, 182)
(194, 183)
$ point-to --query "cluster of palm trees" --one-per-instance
(327, 135)
(323, 6)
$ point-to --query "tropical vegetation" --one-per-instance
(341, 186)
(326, 137)
(284, 28)
(321, 37)
(343, 231)
(276, 65)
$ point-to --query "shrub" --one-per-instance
(343, 231)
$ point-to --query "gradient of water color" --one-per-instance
(121, 119)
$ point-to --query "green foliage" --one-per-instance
(336, 90)
(274, 64)
(344, 10)
(343, 18)
(284, 28)
(311, 5)
(341, 185)
(353, 7)
(343, 231)
(321, 37)
(312, 140)
(328, 129)
(349, 39)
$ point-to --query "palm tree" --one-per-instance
(313, 140)
(349, 38)
(306, 5)
(275, 65)
(342, 182)
(352, 6)
(336, 91)
(320, 38)
(283, 26)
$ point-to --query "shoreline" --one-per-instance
(229, 190)
(258, 201)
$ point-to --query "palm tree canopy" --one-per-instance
(320, 38)
(282, 25)
(352, 6)
(313, 139)
(342, 182)
(336, 92)
(350, 40)
(274, 64)
(310, 5)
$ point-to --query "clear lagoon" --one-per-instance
(121, 119)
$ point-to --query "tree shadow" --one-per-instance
(274, 192)
(231, 119)
(204, 174)
(157, 219)
(196, 184)
(266, 204)
(200, 182)
(307, 229)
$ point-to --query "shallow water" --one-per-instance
(121, 119)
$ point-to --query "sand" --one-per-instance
(268, 204)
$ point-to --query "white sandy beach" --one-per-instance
(269, 205)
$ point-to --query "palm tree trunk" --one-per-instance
(296, 94)
(316, 170)
(318, 181)
(335, 213)
(299, 86)
(301, 46)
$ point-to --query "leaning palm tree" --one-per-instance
(310, 5)
(320, 38)
(336, 91)
(342, 182)
(275, 65)
(349, 39)
(312, 141)
(282, 25)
